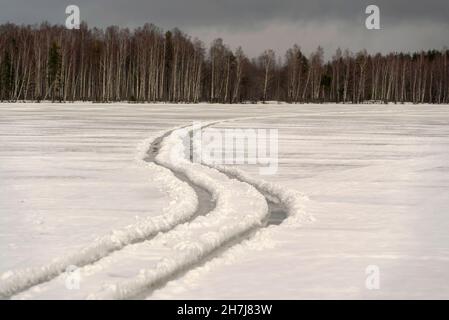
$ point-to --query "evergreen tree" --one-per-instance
(54, 71)
(6, 77)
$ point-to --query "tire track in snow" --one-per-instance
(206, 202)
(282, 204)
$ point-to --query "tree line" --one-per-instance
(146, 64)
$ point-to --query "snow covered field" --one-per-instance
(364, 186)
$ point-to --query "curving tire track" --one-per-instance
(281, 204)
(206, 202)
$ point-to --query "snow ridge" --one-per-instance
(291, 200)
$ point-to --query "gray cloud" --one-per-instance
(257, 24)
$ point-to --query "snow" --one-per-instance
(369, 184)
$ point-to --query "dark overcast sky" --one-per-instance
(407, 25)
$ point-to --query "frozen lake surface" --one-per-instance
(376, 178)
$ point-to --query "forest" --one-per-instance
(147, 64)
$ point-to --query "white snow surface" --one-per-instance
(374, 180)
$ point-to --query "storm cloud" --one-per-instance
(407, 25)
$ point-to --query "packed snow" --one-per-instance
(364, 185)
